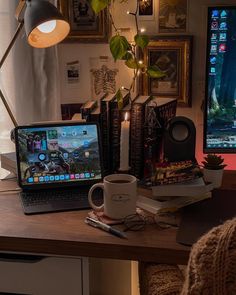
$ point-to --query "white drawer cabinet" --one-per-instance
(26, 274)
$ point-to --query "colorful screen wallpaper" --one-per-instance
(221, 80)
(59, 154)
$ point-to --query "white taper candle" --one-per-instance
(124, 144)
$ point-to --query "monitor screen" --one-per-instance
(220, 107)
(58, 154)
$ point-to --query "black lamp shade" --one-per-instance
(38, 12)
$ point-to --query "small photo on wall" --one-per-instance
(145, 8)
(173, 16)
(72, 72)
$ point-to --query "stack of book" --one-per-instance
(190, 188)
(108, 115)
(149, 116)
(171, 197)
(169, 206)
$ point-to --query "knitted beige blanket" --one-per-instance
(211, 268)
(212, 265)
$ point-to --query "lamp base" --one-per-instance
(8, 162)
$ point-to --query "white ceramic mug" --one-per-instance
(119, 195)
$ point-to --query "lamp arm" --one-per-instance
(8, 109)
(19, 9)
(13, 40)
(18, 12)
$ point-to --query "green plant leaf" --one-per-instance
(127, 56)
(132, 63)
(119, 46)
(213, 162)
(141, 40)
(99, 5)
(154, 72)
(119, 98)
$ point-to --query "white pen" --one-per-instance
(105, 227)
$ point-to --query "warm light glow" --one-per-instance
(128, 12)
(38, 39)
(142, 30)
(47, 27)
(126, 116)
(122, 87)
(140, 62)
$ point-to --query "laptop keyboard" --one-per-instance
(49, 201)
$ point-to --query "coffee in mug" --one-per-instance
(119, 195)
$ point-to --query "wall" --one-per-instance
(197, 13)
(116, 277)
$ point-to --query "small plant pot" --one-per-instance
(213, 176)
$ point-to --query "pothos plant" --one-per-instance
(122, 49)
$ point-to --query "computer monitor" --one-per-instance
(220, 94)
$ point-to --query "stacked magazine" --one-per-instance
(173, 186)
(189, 188)
(174, 172)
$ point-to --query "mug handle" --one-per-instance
(96, 208)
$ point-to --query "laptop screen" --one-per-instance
(54, 155)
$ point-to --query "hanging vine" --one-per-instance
(122, 49)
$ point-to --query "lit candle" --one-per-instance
(124, 144)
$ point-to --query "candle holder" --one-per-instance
(124, 171)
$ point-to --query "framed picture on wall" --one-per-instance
(173, 16)
(146, 9)
(86, 26)
(172, 56)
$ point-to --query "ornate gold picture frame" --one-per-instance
(172, 56)
(173, 16)
(86, 26)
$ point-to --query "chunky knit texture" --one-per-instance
(212, 265)
(159, 279)
(211, 268)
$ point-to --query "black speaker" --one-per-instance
(179, 139)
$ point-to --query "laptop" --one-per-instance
(57, 163)
(197, 219)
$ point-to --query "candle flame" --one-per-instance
(126, 116)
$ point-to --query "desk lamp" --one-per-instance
(44, 27)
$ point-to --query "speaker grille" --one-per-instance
(179, 131)
(179, 139)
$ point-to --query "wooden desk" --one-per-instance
(66, 234)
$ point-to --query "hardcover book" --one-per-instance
(95, 116)
(158, 112)
(105, 131)
(115, 129)
(137, 120)
(193, 187)
(167, 173)
(87, 108)
(170, 206)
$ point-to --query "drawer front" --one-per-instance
(25, 274)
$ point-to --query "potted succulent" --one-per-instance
(213, 167)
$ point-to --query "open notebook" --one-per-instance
(57, 164)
